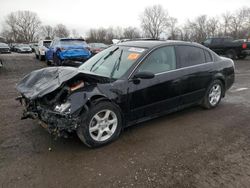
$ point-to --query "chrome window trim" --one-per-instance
(146, 55)
(183, 68)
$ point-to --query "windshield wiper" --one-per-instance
(109, 54)
(116, 65)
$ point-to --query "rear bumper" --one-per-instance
(246, 52)
(75, 54)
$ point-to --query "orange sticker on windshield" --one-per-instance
(133, 56)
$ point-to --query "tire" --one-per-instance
(101, 127)
(243, 56)
(41, 58)
(56, 60)
(215, 91)
(231, 54)
(36, 56)
(48, 62)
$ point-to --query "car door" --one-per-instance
(151, 97)
(217, 45)
(50, 50)
(196, 67)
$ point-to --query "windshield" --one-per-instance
(46, 43)
(73, 42)
(113, 62)
(23, 45)
(4, 45)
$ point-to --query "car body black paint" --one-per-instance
(138, 99)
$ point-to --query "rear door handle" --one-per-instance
(177, 81)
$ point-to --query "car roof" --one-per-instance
(65, 39)
(156, 43)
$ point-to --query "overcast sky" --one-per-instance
(84, 14)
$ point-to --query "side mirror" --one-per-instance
(144, 75)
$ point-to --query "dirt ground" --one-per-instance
(191, 148)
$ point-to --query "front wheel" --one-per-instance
(213, 95)
(102, 125)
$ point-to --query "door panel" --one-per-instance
(197, 74)
(154, 96)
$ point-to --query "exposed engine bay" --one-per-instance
(55, 97)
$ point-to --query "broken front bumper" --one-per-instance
(57, 123)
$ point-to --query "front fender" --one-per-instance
(80, 98)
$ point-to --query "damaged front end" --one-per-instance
(56, 97)
(54, 112)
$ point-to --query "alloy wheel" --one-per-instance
(215, 94)
(103, 125)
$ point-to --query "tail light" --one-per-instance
(244, 45)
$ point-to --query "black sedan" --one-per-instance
(123, 85)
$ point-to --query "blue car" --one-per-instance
(67, 51)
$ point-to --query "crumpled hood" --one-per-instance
(44, 81)
(41, 82)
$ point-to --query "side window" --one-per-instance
(160, 60)
(208, 41)
(189, 55)
(216, 41)
(208, 56)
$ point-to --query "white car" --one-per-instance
(41, 49)
(23, 48)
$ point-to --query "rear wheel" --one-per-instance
(231, 54)
(102, 125)
(213, 95)
(56, 60)
(242, 56)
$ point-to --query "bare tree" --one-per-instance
(75, 34)
(226, 22)
(61, 31)
(47, 32)
(212, 27)
(154, 21)
(131, 32)
(239, 22)
(23, 25)
(118, 32)
(173, 30)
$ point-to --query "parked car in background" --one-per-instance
(1, 63)
(4, 48)
(125, 84)
(12, 47)
(228, 47)
(22, 48)
(33, 46)
(41, 49)
(97, 47)
(67, 51)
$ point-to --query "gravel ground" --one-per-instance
(190, 148)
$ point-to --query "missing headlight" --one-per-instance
(62, 108)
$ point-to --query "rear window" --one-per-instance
(208, 56)
(73, 42)
(46, 43)
(190, 55)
